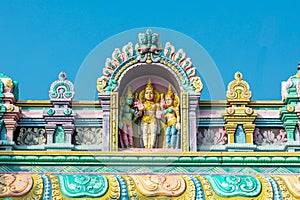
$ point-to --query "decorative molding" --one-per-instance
(184, 122)
(114, 121)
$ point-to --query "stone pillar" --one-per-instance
(50, 129)
(11, 122)
(192, 110)
(104, 99)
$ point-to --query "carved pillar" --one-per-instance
(192, 110)
(50, 129)
(10, 113)
(114, 121)
(184, 122)
(104, 99)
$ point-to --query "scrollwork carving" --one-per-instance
(212, 136)
(270, 137)
(88, 136)
(31, 136)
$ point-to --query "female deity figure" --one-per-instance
(149, 109)
(171, 113)
(125, 121)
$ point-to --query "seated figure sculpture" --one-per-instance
(170, 105)
(150, 112)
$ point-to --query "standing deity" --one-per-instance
(170, 106)
(150, 112)
(125, 120)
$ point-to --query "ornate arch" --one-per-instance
(148, 53)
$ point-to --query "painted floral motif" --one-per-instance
(232, 186)
(88, 136)
(15, 185)
(269, 137)
(160, 185)
(76, 186)
(31, 136)
(211, 137)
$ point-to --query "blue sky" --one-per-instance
(38, 39)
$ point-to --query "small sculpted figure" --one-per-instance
(125, 121)
(150, 112)
(170, 106)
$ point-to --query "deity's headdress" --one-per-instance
(149, 86)
(129, 92)
(170, 93)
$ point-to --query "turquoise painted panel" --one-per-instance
(240, 136)
(59, 135)
(232, 186)
(86, 186)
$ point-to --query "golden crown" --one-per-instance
(129, 92)
(149, 85)
(170, 93)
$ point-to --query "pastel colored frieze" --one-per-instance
(15, 184)
(76, 186)
(31, 136)
(152, 186)
(269, 137)
(23, 186)
(231, 186)
(211, 136)
(236, 187)
(160, 187)
(292, 184)
(87, 186)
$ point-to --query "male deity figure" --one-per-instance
(125, 120)
(171, 113)
(149, 109)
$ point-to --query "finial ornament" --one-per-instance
(61, 89)
(238, 90)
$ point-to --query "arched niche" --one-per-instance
(138, 75)
(134, 66)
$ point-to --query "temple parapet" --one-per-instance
(149, 101)
(149, 136)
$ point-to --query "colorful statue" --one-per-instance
(125, 121)
(170, 105)
(149, 110)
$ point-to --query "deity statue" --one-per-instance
(170, 105)
(127, 113)
(150, 112)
